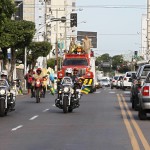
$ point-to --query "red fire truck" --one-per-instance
(83, 63)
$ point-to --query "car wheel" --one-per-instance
(142, 114)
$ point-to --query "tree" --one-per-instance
(117, 60)
(37, 49)
(16, 35)
(51, 63)
(7, 8)
(103, 59)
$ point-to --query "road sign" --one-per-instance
(91, 35)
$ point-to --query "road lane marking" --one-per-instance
(133, 139)
(46, 110)
(18, 127)
(127, 92)
(54, 105)
(136, 126)
(112, 92)
(34, 117)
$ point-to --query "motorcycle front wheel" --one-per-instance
(2, 108)
(65, 103)
(38, 95)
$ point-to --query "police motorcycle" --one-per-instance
(66, 99)
(7, 98)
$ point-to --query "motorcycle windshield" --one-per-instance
(66, 81)
(3, 83)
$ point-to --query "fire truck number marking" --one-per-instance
(88, 81)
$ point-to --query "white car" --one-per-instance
(126, 83)
(114, 82)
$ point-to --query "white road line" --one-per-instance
(53, 105)
(18, 127)
(34, 117)
(112, 92)
(46, 110)
(126, 92)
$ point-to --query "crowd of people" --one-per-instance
(32, 76)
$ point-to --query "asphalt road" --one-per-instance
(104, 121)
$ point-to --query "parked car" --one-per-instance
(144, 99)
(114, 82)
(119, 82)
(137, 82)
(125, 82)
(105, 82)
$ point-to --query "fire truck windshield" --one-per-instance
(75, 62)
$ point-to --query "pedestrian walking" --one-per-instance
(28, 77)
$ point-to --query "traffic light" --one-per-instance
(135, 54)
(73, 20)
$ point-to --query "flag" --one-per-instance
(52, 91)
(85, 90)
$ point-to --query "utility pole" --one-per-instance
(148, 29)
(65, 35)
(56, 44)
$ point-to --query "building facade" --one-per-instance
(41, 12)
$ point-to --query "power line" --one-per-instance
(124, 34)
(92, 6)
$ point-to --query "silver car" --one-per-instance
(144, 99)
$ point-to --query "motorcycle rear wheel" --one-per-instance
(65, 102)
(37, 95)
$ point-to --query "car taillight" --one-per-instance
(113, 80)
(125, 78)
(145, 91)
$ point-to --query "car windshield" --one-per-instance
(116, 77)
(104, 80)
(75, 62)
(145, 71)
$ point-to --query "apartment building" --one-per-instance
(41, 12)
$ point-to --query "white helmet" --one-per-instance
(4, 72)
(69, 70)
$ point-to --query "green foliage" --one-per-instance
(38, 49)
(51, 63)
(17, 34)
(7, 8)
(117, 60)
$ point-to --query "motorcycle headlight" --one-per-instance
(66, 89)
(2, 91)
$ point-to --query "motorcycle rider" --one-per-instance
(4, 76)
(39, 75)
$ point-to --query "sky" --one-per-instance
(118, 29)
